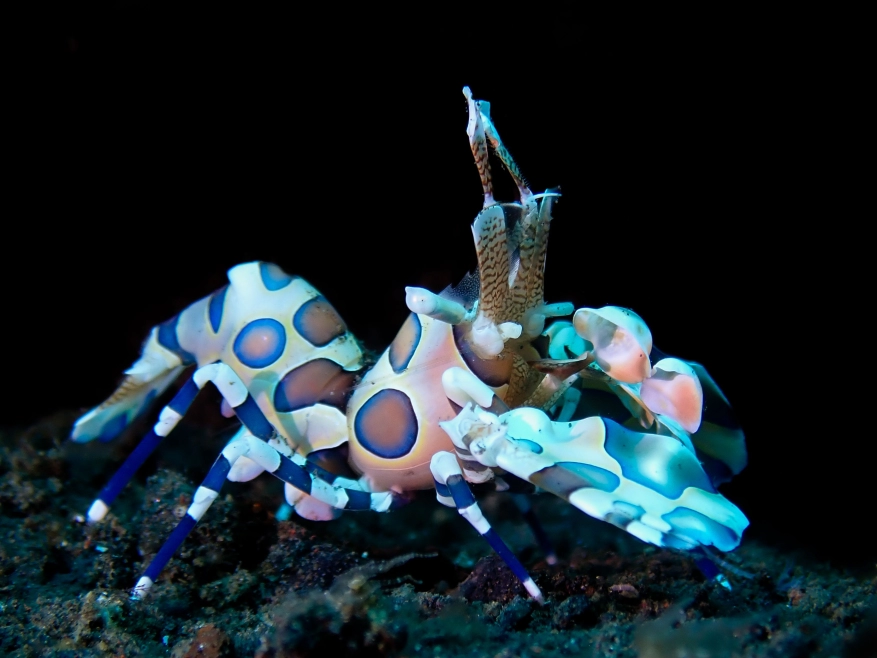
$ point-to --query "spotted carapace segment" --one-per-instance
(475, 388)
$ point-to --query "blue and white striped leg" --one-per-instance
(452, 491)
(235, 393)
(245, 444)
(254, 443)
(201, 501)
(262, 445)
(167, 420)
(336, 491)
(522, 501)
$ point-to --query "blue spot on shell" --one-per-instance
(273, 278)
(113, 428)
(215, 306)
(260, 343)
(405, 343)
(167, 338)
(564, 478)
(386, 425)
(532, 446)
(660, 463)
(696, 526)
(598, 478)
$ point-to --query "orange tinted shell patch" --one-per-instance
(386, 425)
(318, 322)
(320, 380)
(260, 343)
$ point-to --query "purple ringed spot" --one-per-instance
(386, 425)
(405, 344)
(260, 343)
(318, 322)
(319, 380)
(273, 278)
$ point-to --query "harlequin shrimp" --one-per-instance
(474, 389)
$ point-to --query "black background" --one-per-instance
(151, 151)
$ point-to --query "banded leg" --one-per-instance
(156, 369)
(452, 491)
(334, 490)
(201, 501)
(462, 388)
(167, 420)
(262, 445)
(235, 393)
(246, 445)
(254, 443)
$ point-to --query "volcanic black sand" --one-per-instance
(416, 581)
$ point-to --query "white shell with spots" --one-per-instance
(246, 300)
(421, 382)
(652, 486)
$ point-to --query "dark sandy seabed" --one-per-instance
(417, 581)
